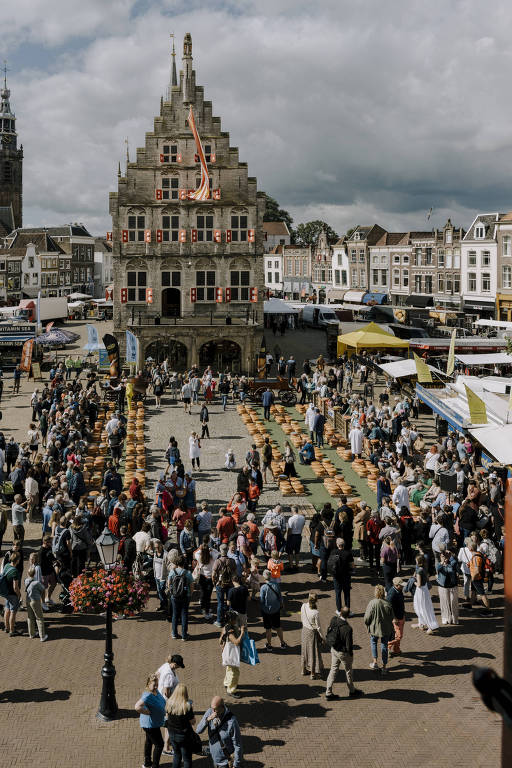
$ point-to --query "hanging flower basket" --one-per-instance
(96, 590)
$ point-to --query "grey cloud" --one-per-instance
(362, 111)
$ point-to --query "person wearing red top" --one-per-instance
(226, 526)
(135, 490)
(253, 532)
(179, 517)
(114, 521)
(253, 495)
(373, 527)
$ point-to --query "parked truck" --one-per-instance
(55, 308)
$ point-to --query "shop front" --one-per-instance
(12, 339)
(480, 308)
(504, 306)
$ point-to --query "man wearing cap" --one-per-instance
(167, 682)
(396, 598)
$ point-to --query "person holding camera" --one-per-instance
(230, 639)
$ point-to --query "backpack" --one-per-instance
(4, 584)
(331, 636)
(476, 566)
(178, 587)
(59, 546)
(329, 538)
(225, 576)
(492, 552)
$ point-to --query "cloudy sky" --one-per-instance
(352, 112)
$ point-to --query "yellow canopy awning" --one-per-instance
(372, 336)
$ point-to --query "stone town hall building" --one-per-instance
(188, 272)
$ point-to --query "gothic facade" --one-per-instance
(187, 237)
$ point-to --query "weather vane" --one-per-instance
(5, 71)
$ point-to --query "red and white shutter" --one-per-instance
(109, 235)
(124, 295)
(149, 295)
(162, 159)
(147, 235)
(228, 295)
(158, 194)
(228, 235)
(216, 194)
(159, 236)
(253, 295)
(194, 235)
(183, 236)
(193, 295)
(212, 157)
(179, 158)
(196, 158)
(109, 294)
(217, 236)
(250, 235)
(183, 194)
(124, 235)
(218, 295)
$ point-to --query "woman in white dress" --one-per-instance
(194, 450)
(422, 601)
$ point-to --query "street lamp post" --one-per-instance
(107, 545)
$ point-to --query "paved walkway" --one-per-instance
(425, 713)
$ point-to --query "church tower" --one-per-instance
(187, 232)
(11, 159)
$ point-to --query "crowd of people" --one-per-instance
(217, 561)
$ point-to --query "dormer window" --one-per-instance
(448, 236)
(357, 236)
(479, 231)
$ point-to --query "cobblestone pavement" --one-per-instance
(424, 713)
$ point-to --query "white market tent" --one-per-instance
(496, 440)
(404, 367)
(493, 358)
(493, 324)
(79, 297)
(278, 307)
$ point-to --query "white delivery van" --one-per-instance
(319, 316)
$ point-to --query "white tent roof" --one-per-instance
(496, 440)
(278, 307)
(493, 358)
(406, 367)
(493, 323)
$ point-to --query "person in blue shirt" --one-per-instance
(307, 453)
(223, 734)
(151, 708)
(267, 399)
(179, 583)
(47, 514)
(270, 606)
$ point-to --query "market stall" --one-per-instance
(371, 336)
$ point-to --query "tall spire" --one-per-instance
(173, 79)
(188, 96)
(7, 117)
(127, 154)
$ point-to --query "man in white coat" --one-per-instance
(309, 418)
(356, 440)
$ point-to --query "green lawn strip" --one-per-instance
(317, 493)
(358, 483)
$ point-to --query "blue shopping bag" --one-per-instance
(248, 652)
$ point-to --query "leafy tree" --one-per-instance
(307, 234)
(274, 213)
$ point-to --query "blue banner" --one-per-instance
(132, 345)
(92, 337)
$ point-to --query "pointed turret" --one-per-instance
(173, 81)
(188, 92)
(7, 117)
